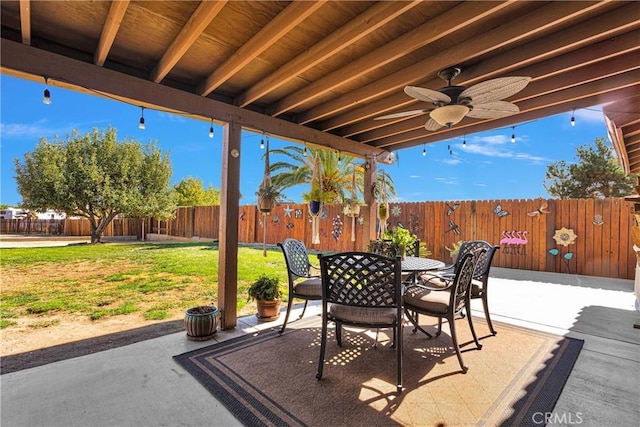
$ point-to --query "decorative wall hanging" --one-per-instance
(452, 208)
(361, 220)
(241, 214)
(453, 227)
(289, 225)
(396, 211)
(287, 211)
(565, 258)
(336, 227)
(275, 219)
(298, 213)
(565, 236)
(598, 220)
(414, 223)
(498, 211)
(543, 209)
(513, 242)
(383, 209)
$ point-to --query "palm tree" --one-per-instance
(336, 168)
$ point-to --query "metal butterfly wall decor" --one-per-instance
(453, 227)
(543, 209)
(499, 211)
(452, 208)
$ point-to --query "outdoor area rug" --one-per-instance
(267, 379)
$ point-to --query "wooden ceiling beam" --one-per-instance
(528, 25)
(624, 44)
(595, 93)
(109, 30)
(195, 26)
(286, 20)
(25, 21)
(26, 62)
(440, 26)
(361, 26)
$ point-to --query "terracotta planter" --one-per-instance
(201, 322)
(266, 204)
(268, 309)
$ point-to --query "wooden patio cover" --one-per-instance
(319, 72)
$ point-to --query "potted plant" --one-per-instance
(316, 197)
(201, 322)
(453, 251)
(401, 238)
(351, 206)
(267, 293)
(268, 196)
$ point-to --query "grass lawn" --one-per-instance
(154, 281)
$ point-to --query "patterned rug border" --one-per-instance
(239, 396)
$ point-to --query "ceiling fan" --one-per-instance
(453, 103)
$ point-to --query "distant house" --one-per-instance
(18, 213)
(13, 213)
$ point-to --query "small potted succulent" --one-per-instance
(267, 292)
(351, 206)
(401, 238)
(316, 197)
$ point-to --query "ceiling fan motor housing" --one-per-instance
(454, 92)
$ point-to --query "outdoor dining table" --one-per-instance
(414, 265)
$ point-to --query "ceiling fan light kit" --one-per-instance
(483, 100)
(449, 115)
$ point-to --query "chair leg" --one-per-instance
(323, 345)
(485, 304)
(473, 331)
(452, 326)
(397, 331)
(339, 333)
(304, 308)
(439, 326)
(286, 316)
(414, 321)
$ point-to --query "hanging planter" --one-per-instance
(315, 199)
(268, 195)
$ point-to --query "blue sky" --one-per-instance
(488, 167)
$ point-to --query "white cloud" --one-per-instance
(479, 185)
(171, 117)
(31, 130)
(452, 161)
(448, 181)
(591, 115)
(415, 176)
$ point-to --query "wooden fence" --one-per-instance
(603, 246)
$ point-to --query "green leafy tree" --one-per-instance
(337, 170)
(191, 192)
(597, 174)
(96, 177)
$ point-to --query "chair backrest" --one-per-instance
(484, 258)
(464, 273)
(361, 279)
(296, 257)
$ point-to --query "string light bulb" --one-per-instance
(46, 96)
(513, 134)
(262, 143)
(141, 125)
(424, 150)
(305, 149)
(573, 118)
(464, 141)
(211, 129)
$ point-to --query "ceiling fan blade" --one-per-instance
(432, 125)
(402, 114)
(495, 89)
(493, 110)
(427, 95)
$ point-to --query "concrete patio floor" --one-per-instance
(141, 385)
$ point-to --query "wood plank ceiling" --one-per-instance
(320, 72)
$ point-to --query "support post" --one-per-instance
(228, 231)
